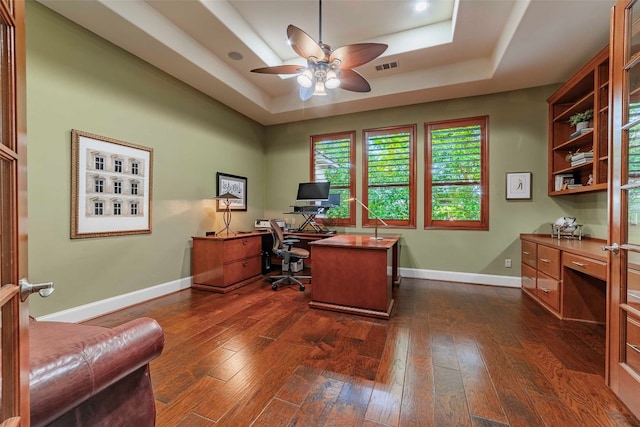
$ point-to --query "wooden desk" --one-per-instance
(350, 274)
(567, 277)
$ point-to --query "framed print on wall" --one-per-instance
(518, 185)
(234, 184)
(111, 186)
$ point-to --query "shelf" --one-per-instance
(586, 89)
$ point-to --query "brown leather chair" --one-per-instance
(84, 375)
(283, 247)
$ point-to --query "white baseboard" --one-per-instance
(109, 305)
(454, 276)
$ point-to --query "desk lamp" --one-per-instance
(372, 213)
(226, 216)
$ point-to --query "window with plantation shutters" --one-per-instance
(332, 159)
(389, 176)
(456, 174)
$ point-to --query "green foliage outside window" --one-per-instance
(456, 172)
(332, 163)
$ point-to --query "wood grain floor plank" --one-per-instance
(386, 400)
(450, 403)
(419, 389)
(481, 396)
(319, 403)
(277, 413)
(351, 405)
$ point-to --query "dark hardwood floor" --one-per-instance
(451, 355)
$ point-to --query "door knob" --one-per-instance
(613, 248)
(44, 289)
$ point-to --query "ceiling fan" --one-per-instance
(326, 68)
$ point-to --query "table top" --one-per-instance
(588, 247)
(358, 241)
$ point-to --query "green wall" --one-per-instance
(517, 143)
(76, 80)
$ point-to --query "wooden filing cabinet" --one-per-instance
(222, 264)
(567, 277)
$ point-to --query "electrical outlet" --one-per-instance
(507, 263)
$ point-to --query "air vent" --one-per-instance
(387, 66)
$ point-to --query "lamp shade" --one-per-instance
(226, 195)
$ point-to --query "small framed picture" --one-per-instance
(518, 185)
(234, 184)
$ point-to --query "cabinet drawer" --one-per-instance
(528, 278)
(236, 249)
(549, 261)
(529, 253)
(241, 270)
(589, 266)
(549, 291)
(632, 347)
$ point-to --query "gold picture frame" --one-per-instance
(111, 186)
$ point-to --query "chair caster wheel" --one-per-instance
(274, 287)
(301, 288)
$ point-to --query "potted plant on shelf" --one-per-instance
(581, 120)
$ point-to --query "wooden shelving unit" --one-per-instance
(588, 88)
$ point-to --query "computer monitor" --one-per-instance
(313, 191)
(334, 201)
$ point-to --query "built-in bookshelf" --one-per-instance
(578, 160)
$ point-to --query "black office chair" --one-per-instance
(291, 258)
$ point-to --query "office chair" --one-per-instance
(291, 257)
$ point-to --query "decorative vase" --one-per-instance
(582, 125)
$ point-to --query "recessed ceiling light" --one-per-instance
(420, 6)
(236, 56)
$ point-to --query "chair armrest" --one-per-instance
(290, 240)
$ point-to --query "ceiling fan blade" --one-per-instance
(306, 92)
(353, 81)
(303, 44)
(354, 55)
(279, 69)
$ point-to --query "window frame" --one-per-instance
(366, 133)
(351, 135)
(483, 223)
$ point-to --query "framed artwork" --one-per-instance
(234, 184)
(518, 185)
(111, 183)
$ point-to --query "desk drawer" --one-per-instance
(241, 270)
(549, 291)
(236, 249)
(529, 253)
(528, 278)
(549, 261)
(585, 265)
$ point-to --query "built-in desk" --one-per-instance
(566, 276)
(349, 274)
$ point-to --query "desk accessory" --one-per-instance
(226, 216)
(372, 213)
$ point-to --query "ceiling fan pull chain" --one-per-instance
(320, 22)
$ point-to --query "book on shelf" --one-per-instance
(580, 132)
(579, 156)
(570, 186)
(581, 161)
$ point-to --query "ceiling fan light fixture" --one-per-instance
(305, 79)
(332, 81)
(319, 89)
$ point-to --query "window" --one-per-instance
(134, 188)
(456, 174)
(134, 168)
(117, 208)
(98, 185)
(117, 187)
(389, 176)
(133, 208)
(99, 163)
(98, 208)
(332, 159)
(117, 165)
